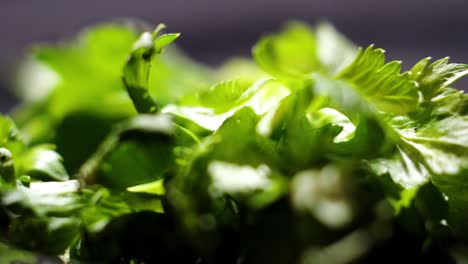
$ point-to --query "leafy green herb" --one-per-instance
(315, 151)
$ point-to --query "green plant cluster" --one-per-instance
(124, 150)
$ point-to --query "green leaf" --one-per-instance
(328, 115)
(261, 96)
(7, 168)
(449, 101)
(403, 170)
(136, 161)
(10, 136)
(141, 201)
(441, 145)
(223, 96)
(433, 145)
(334, 50)
(453, 188)
(341, 96)
(174, 77)
(136, 72)
(98, 54)
(291, 53)
(78, 136)
(237, 135)
(8, 131)
(88, 88)
(438, 75)
(298, 51)
(130, 152)
(44, 198)
(155, 187)
(136, 75)
(12, 147)
(165, 40)
(302, 139)
(43, 216)
(100, 208)
(381, 84)
(244, 70)
(43, 163)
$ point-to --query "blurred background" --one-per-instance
(213, 30)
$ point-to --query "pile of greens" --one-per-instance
(126, 151)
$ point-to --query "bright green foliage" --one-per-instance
(380, 83)
(101, 63)
(44, 164)
(137, 69)
(298, 51)
(438, 75)
(333, 49)
(313, 152)
(291, 53)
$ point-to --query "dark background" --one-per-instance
(213, 30)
